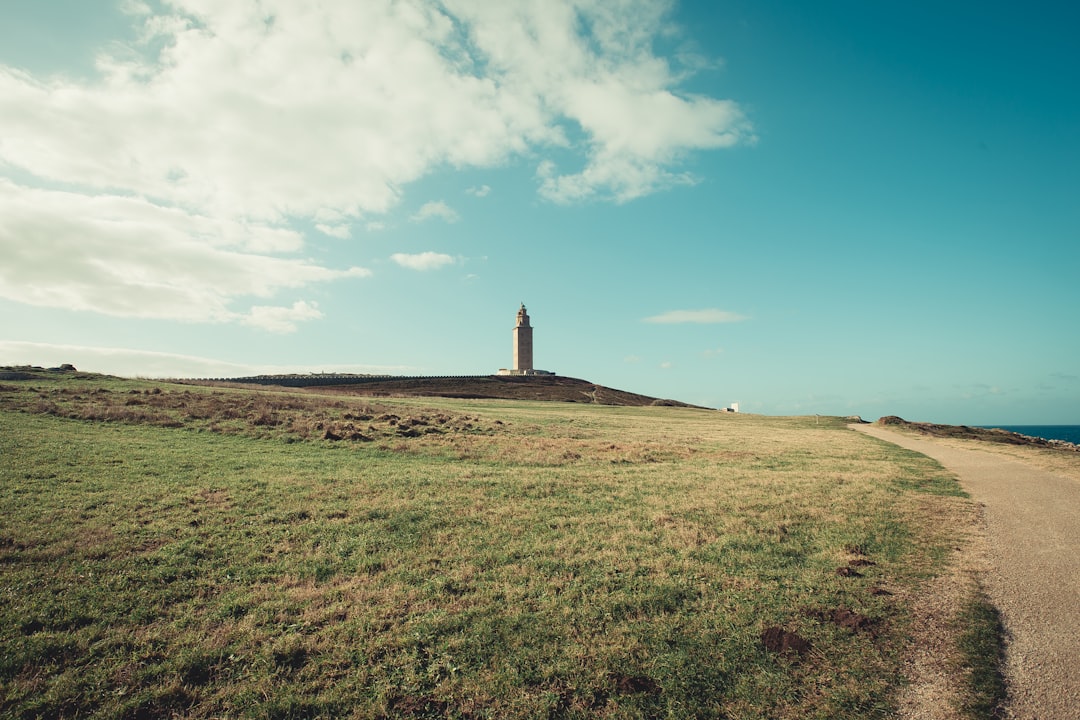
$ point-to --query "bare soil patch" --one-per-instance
(784, 642)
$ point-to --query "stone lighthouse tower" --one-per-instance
(523, 343)
(523, 348)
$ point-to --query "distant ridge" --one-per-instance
(555, 388)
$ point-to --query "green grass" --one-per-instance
(983, 652)
(210, 555)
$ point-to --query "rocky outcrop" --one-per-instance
(966, 432)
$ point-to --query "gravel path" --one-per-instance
(1033, 534)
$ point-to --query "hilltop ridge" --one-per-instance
(554, 388)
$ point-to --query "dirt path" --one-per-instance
(1033, 536)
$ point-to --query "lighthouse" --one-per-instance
(523, 343)
(523, 347)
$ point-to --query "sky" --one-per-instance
(836, 208)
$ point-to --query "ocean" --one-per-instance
(1068, 433)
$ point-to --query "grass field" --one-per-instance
(170, 550)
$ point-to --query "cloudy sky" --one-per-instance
(836, 207)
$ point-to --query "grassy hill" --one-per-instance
(202, 551)
(555, 388)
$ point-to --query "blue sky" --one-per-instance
(835, 207)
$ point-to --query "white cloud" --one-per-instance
(696, 316)
(134, 7)
(128, 362)
(481, 191)
(423, 261)
(127, 257)
(341, 104)
(333, 223)
(281, 319)
(342, 232)
(166, 185)
(610, 87)
(628, 160)
(436, 209)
